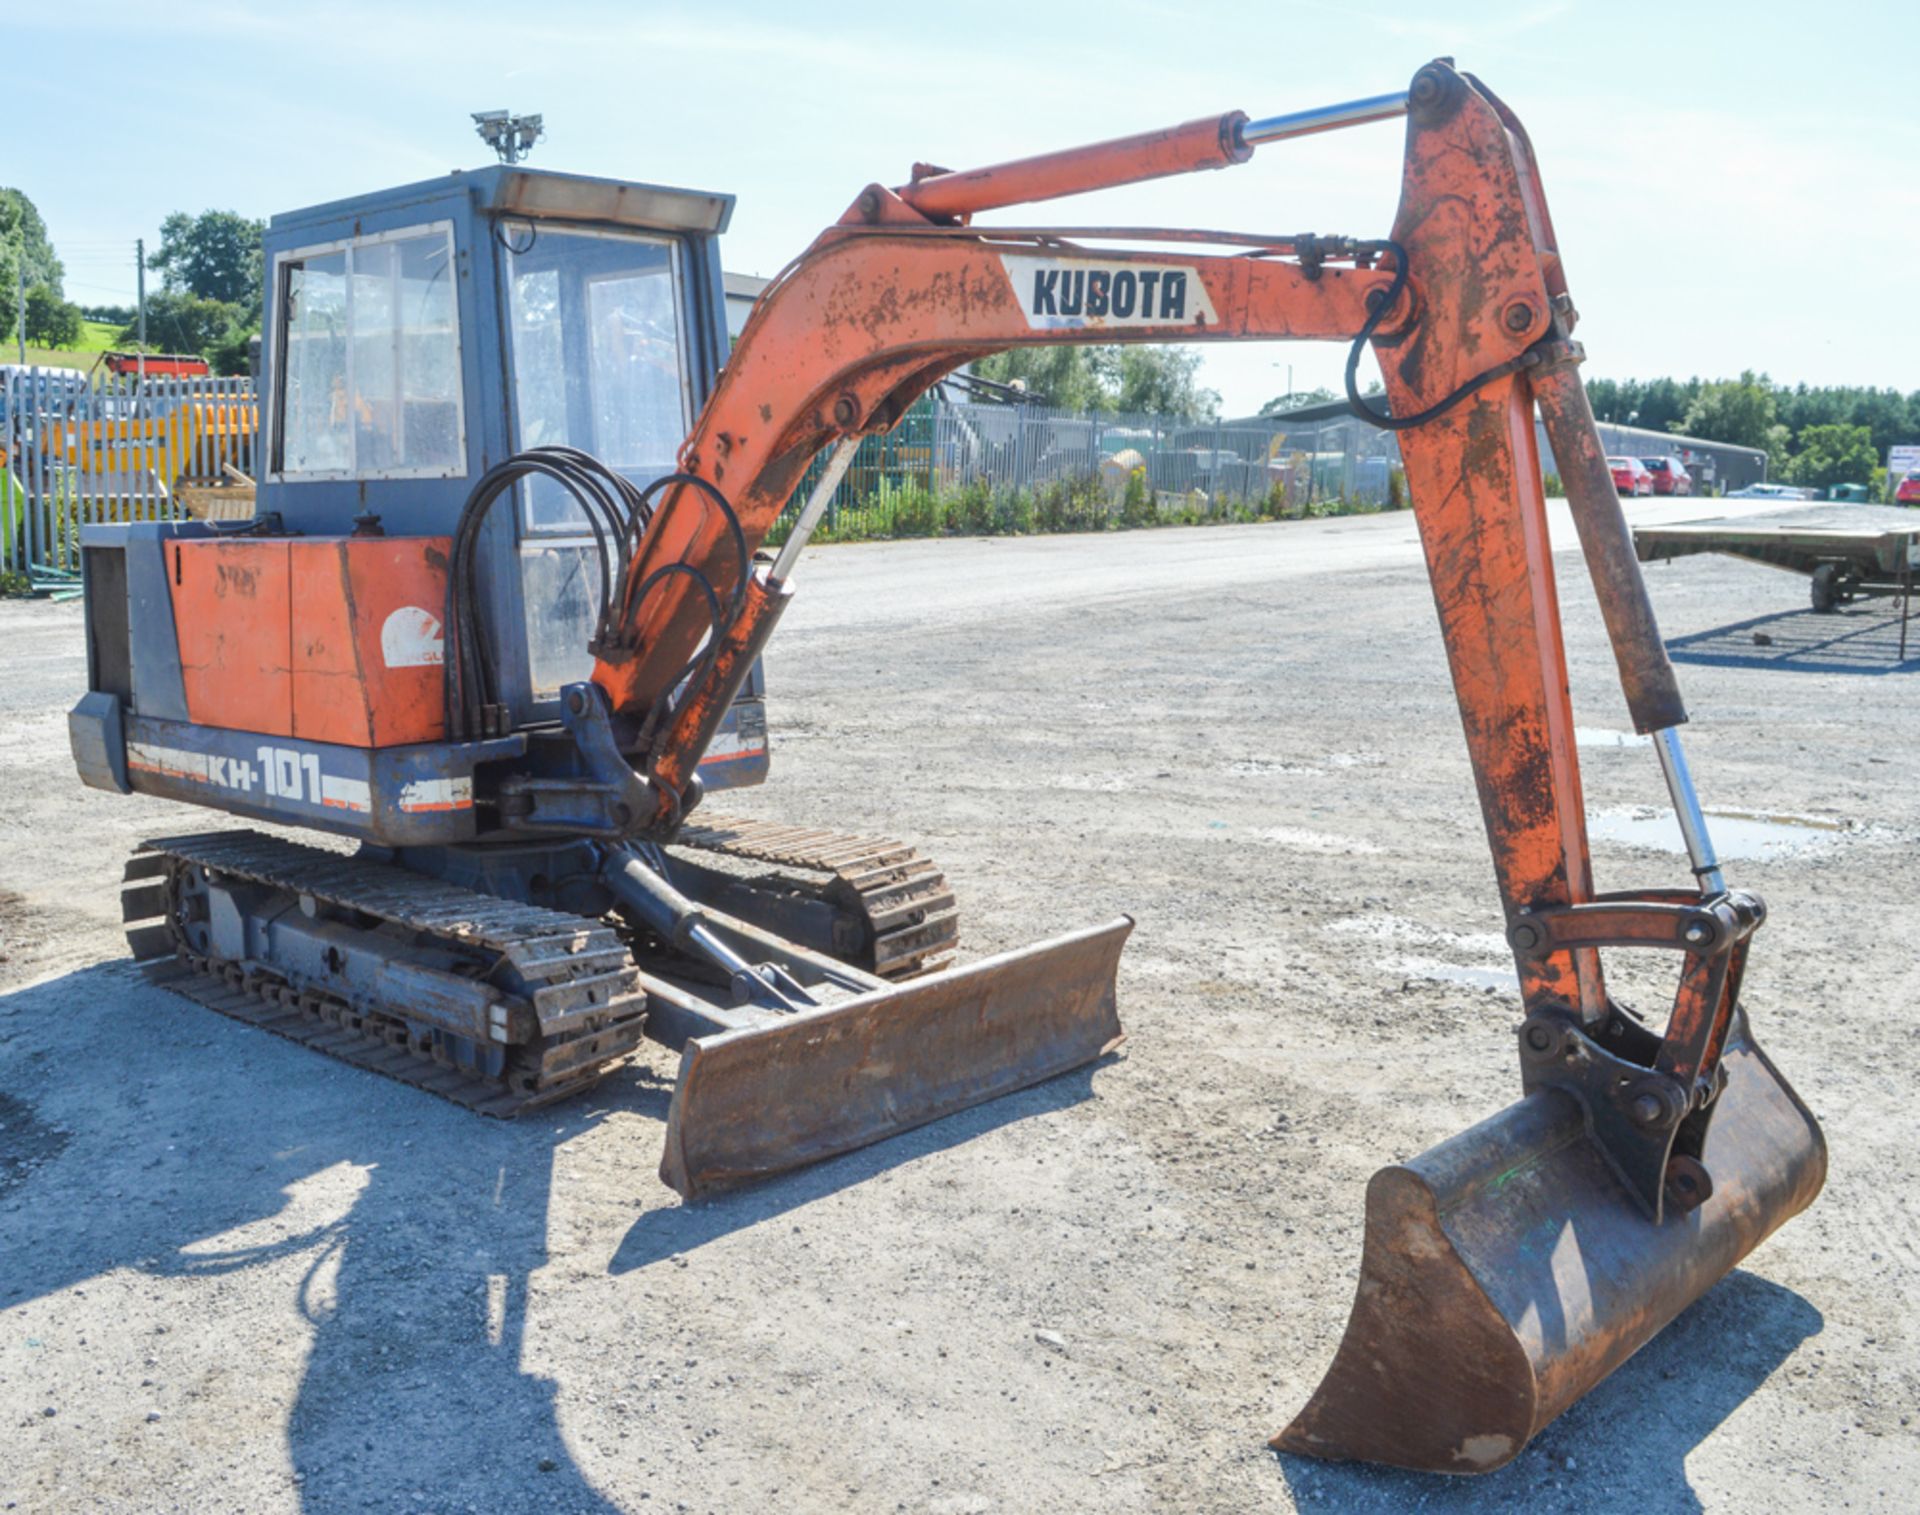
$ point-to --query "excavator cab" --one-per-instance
(418, 335)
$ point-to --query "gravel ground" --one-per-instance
(236, 1276)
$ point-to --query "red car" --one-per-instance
(1670, 475)
(1630, 476)
(1909, 491)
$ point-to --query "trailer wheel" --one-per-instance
(1826, 587)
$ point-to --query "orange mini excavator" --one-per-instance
(498, 620)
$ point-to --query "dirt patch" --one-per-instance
(26, 1141)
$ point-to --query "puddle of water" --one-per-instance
(1501, 980)
(1406, 933)
(1600, 736)
(1736, 834)
(1302, 840)
(1253, 768)
(1095, 783)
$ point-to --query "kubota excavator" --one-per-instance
(478, 391)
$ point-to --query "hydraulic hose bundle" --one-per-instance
(618, 513)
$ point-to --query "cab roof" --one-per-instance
(535, 194)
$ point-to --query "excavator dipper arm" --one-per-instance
(1511, 1268)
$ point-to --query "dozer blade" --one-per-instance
(1507, 1271)
(767, 1098)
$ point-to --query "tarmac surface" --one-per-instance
(235, 1275)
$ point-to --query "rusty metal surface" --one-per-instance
(759, 1101)
(904, 898)
(1505, 1273)
(1212, 142)
(1479, 260)
(1646, 676)
(710, 693)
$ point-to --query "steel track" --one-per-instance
(913, 922)
(574, 986)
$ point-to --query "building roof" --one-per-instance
(1636, 439)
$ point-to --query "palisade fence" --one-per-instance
(966, 466)
(78, 448)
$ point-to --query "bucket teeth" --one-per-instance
(1506, 1272)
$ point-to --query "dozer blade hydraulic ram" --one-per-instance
(815, 1057)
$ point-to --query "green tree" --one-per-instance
(184, 323)
(1741, 411)
(1062, 376)
(1160, 380)
(51, 321)
(24, 244)
(1833, 454)
(1157, 379)
(214, 255)
(1300, 399)
(1656, 404)
(232, 354)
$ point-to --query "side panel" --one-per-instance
(158, 687)
(232, 618)
(367, 642)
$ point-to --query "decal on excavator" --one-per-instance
(1067, 294)
(410, 638)
(284, 773)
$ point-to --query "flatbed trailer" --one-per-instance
(1843, 563)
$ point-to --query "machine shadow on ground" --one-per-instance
(1631, 1433)
(677, 1229)
(408, 1230)
(1860, 639)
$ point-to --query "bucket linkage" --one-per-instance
(1508, 1270)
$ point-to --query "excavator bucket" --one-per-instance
(798, 1088)
(1507, 1271)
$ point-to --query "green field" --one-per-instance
(96, 337)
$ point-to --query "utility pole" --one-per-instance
(140, 269)
(20, 306)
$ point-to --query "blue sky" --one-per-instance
(1734, 185)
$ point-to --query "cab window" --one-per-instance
(598, 360)
(369, 381)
